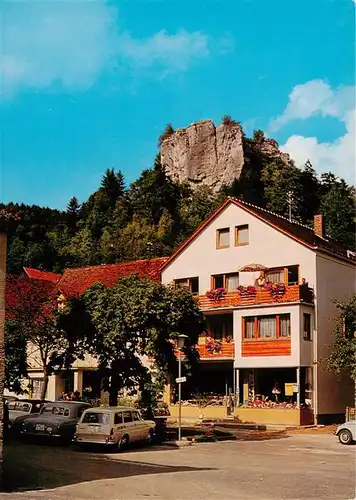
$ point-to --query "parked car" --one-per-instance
(113, 426)
(55, 420)
(18, 409)
(347, 432)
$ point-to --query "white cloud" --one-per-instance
(73, 42)
(317, 98)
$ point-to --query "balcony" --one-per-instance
(223, 349)
(292, 293)
(260, 347)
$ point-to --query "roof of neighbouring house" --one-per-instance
(299, 232)
(42, 275)
(77, 280)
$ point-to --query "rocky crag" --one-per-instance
(205, 154)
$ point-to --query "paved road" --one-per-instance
(292, 467)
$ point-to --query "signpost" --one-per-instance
(180, 380)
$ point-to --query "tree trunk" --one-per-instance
(45, 382)
(3, 241)
(113, 391)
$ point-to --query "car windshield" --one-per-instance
(19, 406)
(56, 410)
(96, 418)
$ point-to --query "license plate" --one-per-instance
(93, 428)
(40, 427)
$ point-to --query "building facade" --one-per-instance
(261, 359)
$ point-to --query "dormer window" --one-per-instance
(223, 238)
(241, 235)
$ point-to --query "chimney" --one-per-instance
(319, 229)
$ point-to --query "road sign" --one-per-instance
(179, 380)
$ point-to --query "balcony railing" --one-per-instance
(292, 293)
(222, 350)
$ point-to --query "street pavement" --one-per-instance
(302, 466)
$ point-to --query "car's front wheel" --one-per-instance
(345, 436)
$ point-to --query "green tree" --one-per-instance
(82, 249)
(195, 208)
(338, 207)
(135, 321)
(16, 255)
(343, 349)
(227, 120)
(169, 130)
(152, 193)
(73, 214)
(15, 356)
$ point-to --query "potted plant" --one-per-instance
(216, 293)
(246, 291)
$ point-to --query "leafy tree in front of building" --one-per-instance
(135, 324)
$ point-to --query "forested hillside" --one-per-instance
(153, 215)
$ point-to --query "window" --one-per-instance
(275, 275)
(127, 416)
(223, 238)
(249, 328)
(136, 416)
(191, 283)
(287, 275)
(19, 406)
(284, 325)
(36, 386)
(228, 281)
(218, 281)
(220, 326)
(232, 282)
(307, 326)
(118, 418)
(293, 275)
(241, 235)
(56, 410)
(267, 327)
(96, 418)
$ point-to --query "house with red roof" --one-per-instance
(266, 285)
(61, 287)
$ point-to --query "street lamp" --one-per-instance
(180, 341)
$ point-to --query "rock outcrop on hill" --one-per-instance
(205, 154)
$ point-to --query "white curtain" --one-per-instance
(284, 330)
(276, 276)
(267, 327)
(249, 328)
(232, 282)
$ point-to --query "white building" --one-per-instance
(279, 336)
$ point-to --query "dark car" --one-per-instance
(55, 420)
(22, 408)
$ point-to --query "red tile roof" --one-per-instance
(42, 275)
(77, 280)
(294, 230)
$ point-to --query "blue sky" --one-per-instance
(88, 85)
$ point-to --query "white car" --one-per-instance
(113, 426)
(347, 432)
